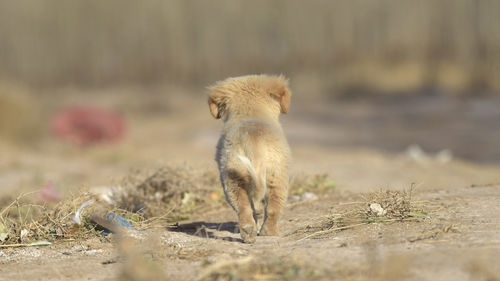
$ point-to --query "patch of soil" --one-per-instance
(458, 240)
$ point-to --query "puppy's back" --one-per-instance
(262, 143)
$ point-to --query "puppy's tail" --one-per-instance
(259, 179)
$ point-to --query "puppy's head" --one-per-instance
(249, 96)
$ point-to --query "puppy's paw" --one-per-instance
(248, 233)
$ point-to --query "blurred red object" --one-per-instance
(49, 193)
(85, 125)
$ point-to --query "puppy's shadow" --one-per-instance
(207, 229)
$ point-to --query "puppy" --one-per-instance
(252, 153)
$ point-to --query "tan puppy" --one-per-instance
(252, 152)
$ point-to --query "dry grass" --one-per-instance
(25, 221)
(173, 191)
(145, 199)
(396, 205)
(393, 206)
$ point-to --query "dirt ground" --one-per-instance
(360, 145)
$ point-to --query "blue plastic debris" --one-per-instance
(117, 220)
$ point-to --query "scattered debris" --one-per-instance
(25, 221)
(167, 195)
(111, 223)
(118, 220)
(77, 218)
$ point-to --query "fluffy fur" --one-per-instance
(252, 153)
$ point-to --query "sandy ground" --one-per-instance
(459, 240)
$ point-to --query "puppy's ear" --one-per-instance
(282, 95)
(216, 103)
(214, 108)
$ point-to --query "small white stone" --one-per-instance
(444, 156)
(416, 153)
(24, 233)
(377, 209)
(3, 236)
(308, 196)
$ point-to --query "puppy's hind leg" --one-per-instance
(276, 201)
(260, 199)
(236, 189)
(259, 212)
(257, 185)
(248, 229)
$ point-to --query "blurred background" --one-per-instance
(376, 79)
(345, 47)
